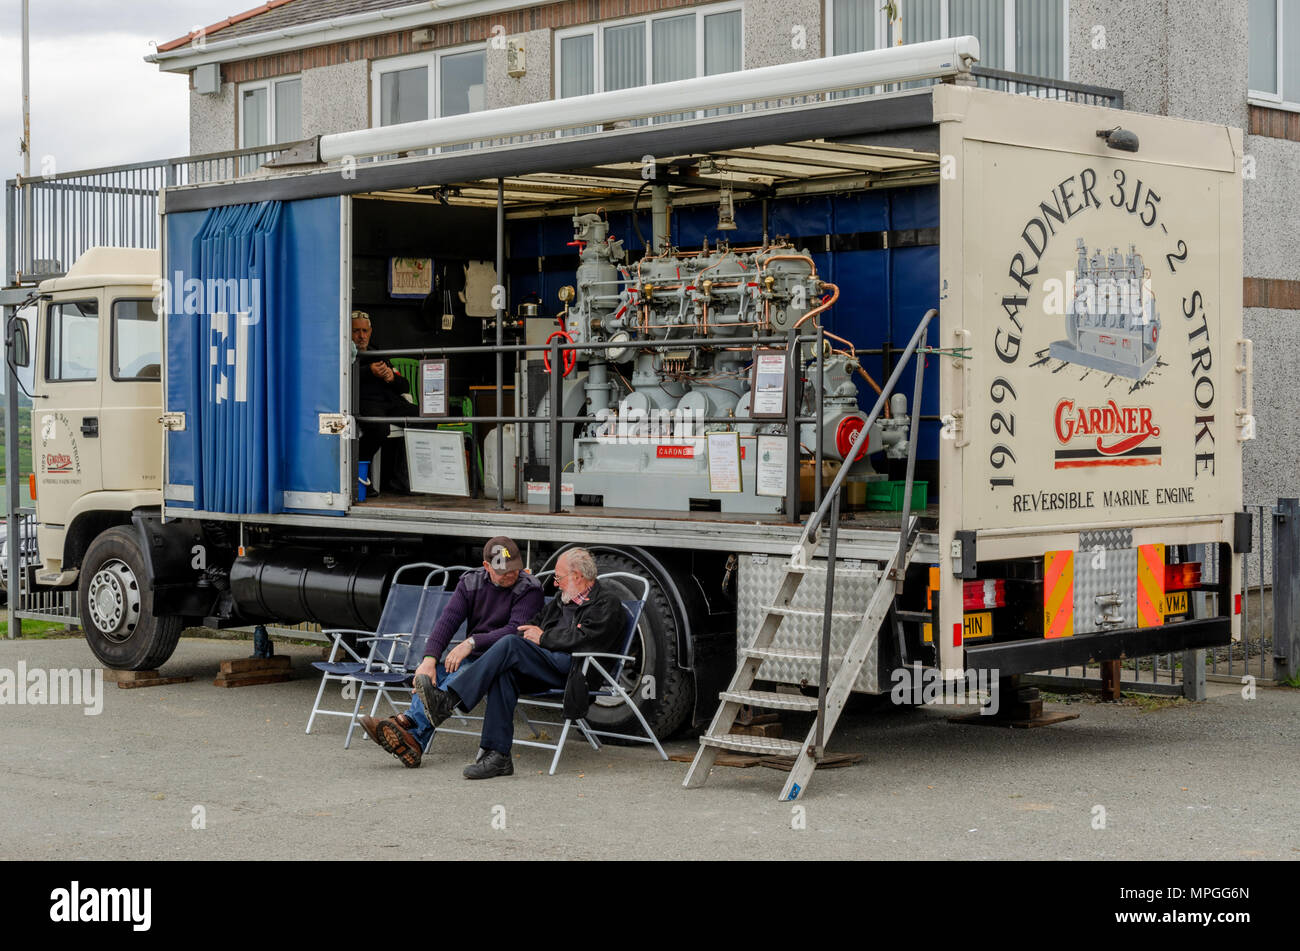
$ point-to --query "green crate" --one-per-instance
(888, 496)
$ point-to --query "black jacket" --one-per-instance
(598, 625)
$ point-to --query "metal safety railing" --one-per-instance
(53, 219)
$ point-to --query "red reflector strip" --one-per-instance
(1236, 604)
(977, 595)
(956, 634)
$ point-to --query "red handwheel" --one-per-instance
(570, 358)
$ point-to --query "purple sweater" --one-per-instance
(491, 612)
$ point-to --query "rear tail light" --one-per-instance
(1182, 577)
(981, 595)
(31, 485)
(1236, 604)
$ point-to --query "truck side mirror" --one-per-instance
(20, 354)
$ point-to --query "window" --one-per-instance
(72, 344)
(660, 49)
(428, 86)
(270, 112)
(1274, 32)
(137, 341)
(1026, 36)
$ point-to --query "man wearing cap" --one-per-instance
(493, 602)
(587, 616)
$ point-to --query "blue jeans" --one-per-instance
(509, 667)
(423, 731)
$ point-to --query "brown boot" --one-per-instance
(395, 738)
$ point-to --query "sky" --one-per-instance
(94, 100)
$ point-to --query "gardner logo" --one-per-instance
(1115, 435)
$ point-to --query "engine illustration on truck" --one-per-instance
(1111, 321)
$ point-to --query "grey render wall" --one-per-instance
(335, 98)
(212, 121)
(538, 80)
(774, 30)
(1188, 58)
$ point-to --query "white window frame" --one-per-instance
(432, 60)
(1009, 29)
(1270, 99)
(269, 85)
(596, 31)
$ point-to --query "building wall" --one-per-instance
(335, 98)
(781, 31)
(212, 121)
(535, 85)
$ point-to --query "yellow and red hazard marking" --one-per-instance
(1151, 585)
(1058, 594)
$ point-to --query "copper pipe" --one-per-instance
(792, 257)
(835, 295)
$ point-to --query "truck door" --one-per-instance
(257, 332)
(131, 393)
(65, 424)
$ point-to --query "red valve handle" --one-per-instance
(570, 358)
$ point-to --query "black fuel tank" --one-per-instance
(291, 585)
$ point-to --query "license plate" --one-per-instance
(975, 627)
(1175, 602)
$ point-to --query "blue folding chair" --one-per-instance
(610, 690)
(398, 617)
(391, 664)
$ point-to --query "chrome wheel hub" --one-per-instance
(114, 600)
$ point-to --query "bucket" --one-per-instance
(363, 480)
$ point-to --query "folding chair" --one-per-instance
(612, 689)
(397, 617)
(394, 658)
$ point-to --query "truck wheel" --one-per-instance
(663, 692)
(117, 605)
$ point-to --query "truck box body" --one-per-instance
(1082, 415)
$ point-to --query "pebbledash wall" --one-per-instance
(1181, 58)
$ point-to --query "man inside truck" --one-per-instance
(492, 602)
(382, 393)
(587, 616)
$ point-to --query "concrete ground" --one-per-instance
(1214, 780)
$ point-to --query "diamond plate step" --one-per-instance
(787, 653)
(770, 700)
(753, 744)
(815, 612)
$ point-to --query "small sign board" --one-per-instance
(436, 462)
(767, 386)
(724, 462)
(410, 277)
(433, 387)
(772, 474)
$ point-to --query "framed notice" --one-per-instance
(767, 386)
(436, 462)
(433, 387)
(771, 466)
(724, 462)
(410, 277)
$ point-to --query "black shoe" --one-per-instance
(438, 704)
(493, 764)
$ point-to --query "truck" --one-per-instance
(662, 323)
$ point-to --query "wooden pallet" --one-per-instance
(250, 671)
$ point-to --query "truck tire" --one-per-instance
(117, 605)
(667, 699)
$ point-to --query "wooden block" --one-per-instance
(1020, 723)
(155, 682)
(759, 729)
(125, 676)
(250, 680)
(738, 760)
(244, 665)
(829, 761)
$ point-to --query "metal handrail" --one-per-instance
(815, 520)
(832, 500)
